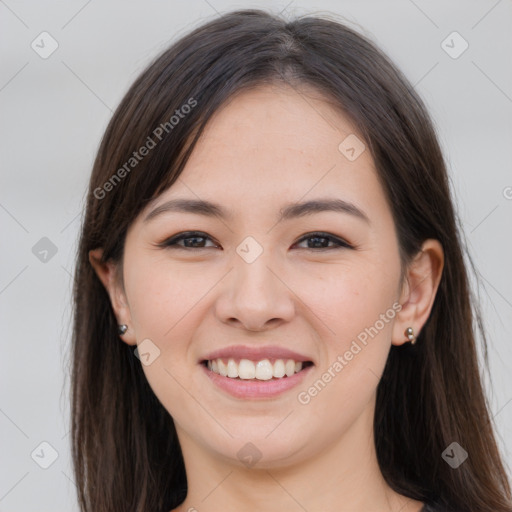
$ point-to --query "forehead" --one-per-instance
(258, 125)
(276, 144)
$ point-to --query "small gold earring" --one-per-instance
(409, 332)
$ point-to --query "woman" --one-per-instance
(272, 310)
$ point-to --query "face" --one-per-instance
(261, 283)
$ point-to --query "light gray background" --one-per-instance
(54, 111)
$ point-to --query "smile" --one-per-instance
(264, 369)
(249, 372)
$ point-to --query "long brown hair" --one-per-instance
(125, 450)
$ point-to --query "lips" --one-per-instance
(256, 372)
(270, 352)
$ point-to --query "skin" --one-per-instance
(268, 147)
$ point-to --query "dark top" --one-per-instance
(431, 508)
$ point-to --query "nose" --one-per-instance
(255, 296)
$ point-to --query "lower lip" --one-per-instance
(254, 388)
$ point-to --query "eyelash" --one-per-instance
(173, 241)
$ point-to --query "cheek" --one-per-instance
(164, 305)
(162, 294)
(357, 306)
(167, 304)
(366, 311)
(350, 299)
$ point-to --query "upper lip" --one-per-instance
(255, 353)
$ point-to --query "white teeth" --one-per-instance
(223, 368)
(260, 370)
(289, 367)
(232, 369)
(264, 370)
(246, 369)
(279, 370)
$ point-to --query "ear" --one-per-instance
(419, 290)
(108, 275)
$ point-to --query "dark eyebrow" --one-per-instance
(209, 209)
(197, 206)
(322, 205)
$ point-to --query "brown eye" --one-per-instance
(322, 240)
(190, 239)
